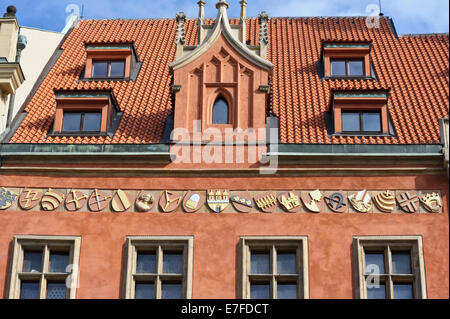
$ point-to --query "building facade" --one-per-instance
(231, 158)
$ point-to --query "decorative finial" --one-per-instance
(263, 19)
(181, 34)
(243, 6)
(10, 12)
(222, 3)
(243, 22)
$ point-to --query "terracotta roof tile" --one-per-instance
(414, 68)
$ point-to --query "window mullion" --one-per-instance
(159, 269)
(273, 261)
(82, 121)
(390, 284)
(45, 269)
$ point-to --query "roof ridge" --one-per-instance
(422, 34)
(213, 18)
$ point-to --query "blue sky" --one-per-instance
(410, 16)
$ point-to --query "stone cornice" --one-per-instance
(11, 77)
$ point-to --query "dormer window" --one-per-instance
(360, 114)
(354, 67)
(108, 69)
(220, 111)
(361, 122)
(82, 122)
(87, 114)
(117, 62)
(343, 61)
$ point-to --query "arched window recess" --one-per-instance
(221, 111)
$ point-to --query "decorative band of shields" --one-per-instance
(220, 200)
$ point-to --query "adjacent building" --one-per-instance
(29, 48)
(231, 158)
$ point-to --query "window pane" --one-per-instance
(173, 263)
(403, 291)
(92, 122)
(145, 291)
(350, 122)
(220, 112)
(372, 122)
(374, 263)
(71, 122)
(287, 291)
(376, 292)
(356, 68)
(59, 262)
(259, 291)
(286, 263)
(117, 69)
(401, 263)
(260, 263)
(56, 291)
(171, 291)
(338, 68)
(32, 261)
(29, 290)
(100, 69)
(146, 263)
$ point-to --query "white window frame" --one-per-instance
(412, 244)
(158, 243)
(21, 243)
(299, 243)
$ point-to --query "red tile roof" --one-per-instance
(415, 68)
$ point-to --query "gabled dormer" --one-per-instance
(222, 82)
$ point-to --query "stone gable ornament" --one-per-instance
(385, 202)
(7, 198)
(98, 200)
(432, 202)
(52, 200)
(75, 200)
(336, 202)
(312, 200)
(289, 201)
(30, 198)
(361, 201)
(169, 201)
(267, 202)
(242, 201)
(218, 200)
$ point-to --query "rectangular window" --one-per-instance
(108, 69)
(159, 268)
(82, 121)
(44, 267)
(274, 268)
(361, 121)
(390, 267)
(347, 67)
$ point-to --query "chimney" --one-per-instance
(181, 35)
(243, 22)
(201, 21)
(263, 19)
(9, 32)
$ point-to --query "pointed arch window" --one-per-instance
(220, 111)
